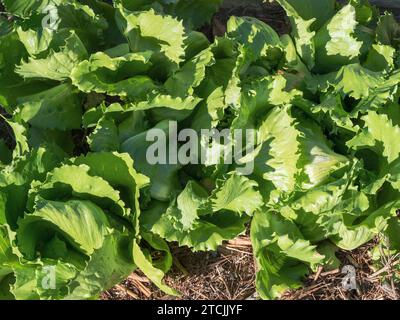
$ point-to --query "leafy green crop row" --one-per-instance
(82, 82)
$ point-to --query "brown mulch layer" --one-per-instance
(229, 275)
(371, 284)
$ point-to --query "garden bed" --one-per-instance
(229, 273)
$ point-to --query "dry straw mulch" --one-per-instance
(229, 274)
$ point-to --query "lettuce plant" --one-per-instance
(82, 83)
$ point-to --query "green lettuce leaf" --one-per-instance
(57, 108)
(58, 65)
(281, 252)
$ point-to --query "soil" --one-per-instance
(272, 14)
